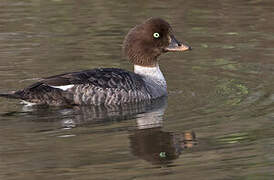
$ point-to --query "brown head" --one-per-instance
(145, 42)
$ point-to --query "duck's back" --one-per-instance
(91, 87)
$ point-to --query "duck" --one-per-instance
(142, 46)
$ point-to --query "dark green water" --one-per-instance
(218, 121)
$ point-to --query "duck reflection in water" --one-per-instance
(148, 140)
(160, 147)
(84, 115)
(147, 113)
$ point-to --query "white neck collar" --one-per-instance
(152, 73)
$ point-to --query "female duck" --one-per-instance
(142, 45)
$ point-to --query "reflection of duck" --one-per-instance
(90, 114)
(142, 45)
(148, 141)
(151, 143)
(77, 115)
(159, 147)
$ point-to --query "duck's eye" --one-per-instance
(156, 35)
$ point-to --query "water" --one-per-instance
(216, 124)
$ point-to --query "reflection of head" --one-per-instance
(159, 147)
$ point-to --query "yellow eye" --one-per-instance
(156, 35)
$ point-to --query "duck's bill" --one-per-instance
(175, 45)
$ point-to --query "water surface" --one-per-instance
(217, 122)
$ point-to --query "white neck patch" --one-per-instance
(152, 73)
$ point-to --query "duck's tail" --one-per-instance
(11, 95)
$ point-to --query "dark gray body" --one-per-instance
(91, 87)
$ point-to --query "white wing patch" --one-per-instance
(64, 88)
(26, 103)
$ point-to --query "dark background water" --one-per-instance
(218, 122)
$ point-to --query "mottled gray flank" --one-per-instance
(90, 94)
